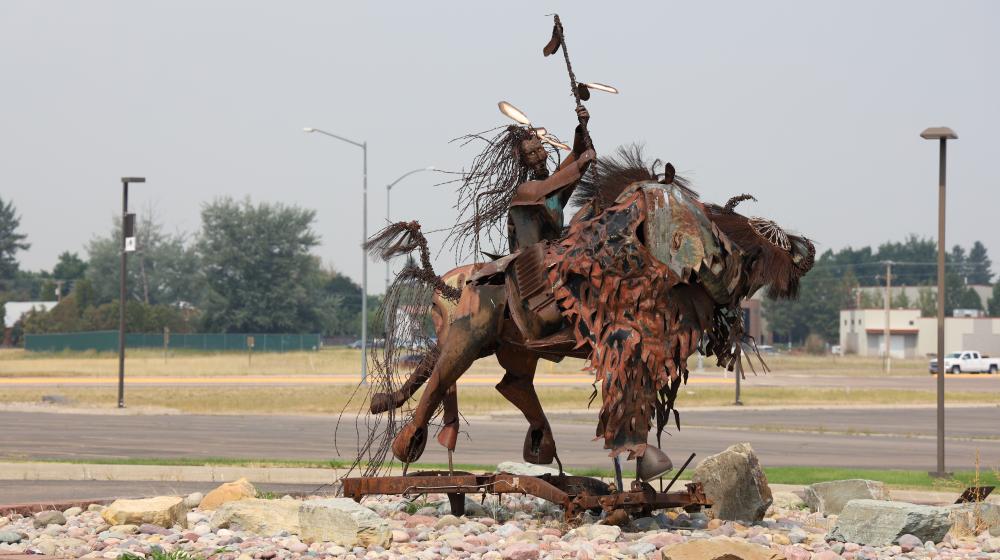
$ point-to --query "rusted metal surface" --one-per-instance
(575, 494)
(645, 275)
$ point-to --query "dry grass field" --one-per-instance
(332, 399)
(20, 363)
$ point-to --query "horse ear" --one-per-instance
(553, 45)
(669, 173)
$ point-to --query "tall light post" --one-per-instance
(388, 220)
(942, 134)
(364, 255)
(128, 245)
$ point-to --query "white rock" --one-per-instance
(830, 497)
(165, 511)
(192, 500)
(262, 517)
(343, 521)
(880, 523)
(525, 469)
(609, 533)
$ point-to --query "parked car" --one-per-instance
(374, 343)
(767, 350)
(967, 361)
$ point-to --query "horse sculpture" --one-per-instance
(644, 276)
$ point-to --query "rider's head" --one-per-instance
(533, 155)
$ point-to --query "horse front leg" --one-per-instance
(472, 334)
(517, 386)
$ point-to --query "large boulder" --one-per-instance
(719, 549)
(342, 521)
(229, 492)
(263, 517)
(525, 469)
(881, 523)
(165, 511)
(975, 518)
(829, 498)
(736, 484)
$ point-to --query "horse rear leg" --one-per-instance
(471, 335)
(517, 386)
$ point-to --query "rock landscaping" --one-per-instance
(510, 528)
(831, 497)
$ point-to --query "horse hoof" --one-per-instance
(539, 446)
(409, 443)
(448, 436)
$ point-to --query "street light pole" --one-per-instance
(942, 135)
(127, 226)
(388, 191)
(364, 255)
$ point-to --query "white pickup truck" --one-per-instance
(967, 361)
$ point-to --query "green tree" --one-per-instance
(901, 300)
(163, 270)
(11, 240)
(69, 269)
(260, 273)
(822, 294)
(978, 265)
(927, 301)
(872, 299)
(343, 305)
(994, 306)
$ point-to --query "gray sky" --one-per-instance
(814, 107)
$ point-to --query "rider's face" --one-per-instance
(533, 153)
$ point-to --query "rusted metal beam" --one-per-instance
(573, 493)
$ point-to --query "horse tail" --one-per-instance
(402, 238)
(410, 290)
(391, 400)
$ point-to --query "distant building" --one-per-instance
(862, 332)
(754, 321)
(15, 310)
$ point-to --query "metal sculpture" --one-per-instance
(644, 275)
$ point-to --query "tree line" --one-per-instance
(250, 268)
(838, 278)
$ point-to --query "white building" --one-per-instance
(862, 332)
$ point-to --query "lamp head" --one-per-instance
(308, 129)
(939, 133)
(133, 179)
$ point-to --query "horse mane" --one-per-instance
(773, 267)
(609, 176)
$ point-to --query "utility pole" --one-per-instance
(888, 309)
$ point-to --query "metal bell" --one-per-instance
(653, 463)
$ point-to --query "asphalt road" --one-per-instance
(896, 438)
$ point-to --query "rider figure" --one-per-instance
(536, 210)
